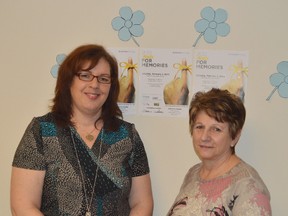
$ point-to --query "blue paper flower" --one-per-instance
(59, 59)
(212, 24)
(128, 24)
(280, 80)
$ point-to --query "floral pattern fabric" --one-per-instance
(46, 147)
(240, 192)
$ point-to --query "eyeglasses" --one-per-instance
(88, 76)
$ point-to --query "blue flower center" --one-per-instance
(128, 24)
(213, 24)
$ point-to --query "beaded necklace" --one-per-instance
(88, 203)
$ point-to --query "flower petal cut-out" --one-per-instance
(126, 13)
(201, 25)
(208, 13)
(220, 15)
(276, 79)
(54, 71)
(223, 29)
(60, 58)
(283, 90)
(282, 67)
(118, 23)
(124, 34)
(137, 30)
(210, 35)
(138, 17)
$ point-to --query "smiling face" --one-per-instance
(88, 97)
(211, 139)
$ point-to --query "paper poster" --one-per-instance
(161, 82)
(221, 69)
(165, 81)
(128, 78)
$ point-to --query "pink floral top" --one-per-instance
(239, 192)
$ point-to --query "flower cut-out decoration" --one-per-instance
(212, 25)
(128, 24)
(280, 80)
(59, 59)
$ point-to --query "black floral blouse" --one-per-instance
(46, 147)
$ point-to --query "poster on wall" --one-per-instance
(161, 82)
(221, 69)
(127, 59)
(165, 81)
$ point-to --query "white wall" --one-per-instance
(33, 32)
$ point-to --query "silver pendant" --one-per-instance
(88, 213)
